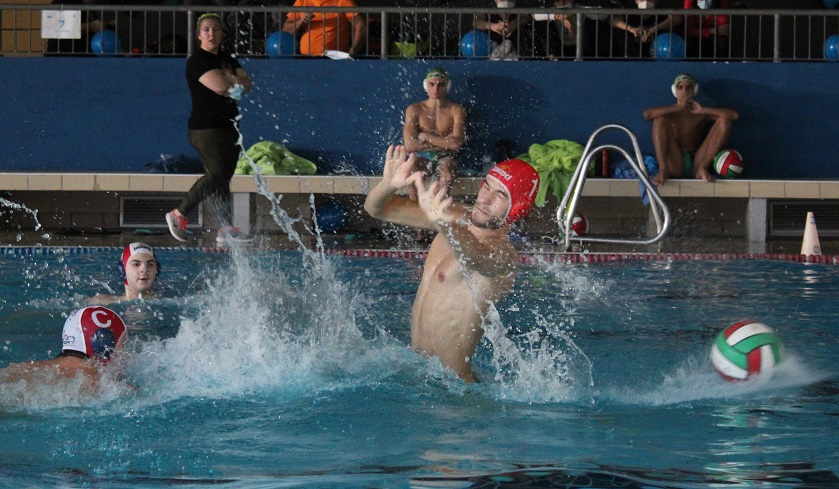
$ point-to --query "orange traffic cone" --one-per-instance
(810, 245)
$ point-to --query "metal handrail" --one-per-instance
(565, 211)
(380, 14)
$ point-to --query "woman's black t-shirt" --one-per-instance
(209, 109)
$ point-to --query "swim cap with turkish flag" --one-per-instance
(522, 183)
(131, 250)
(94, 331)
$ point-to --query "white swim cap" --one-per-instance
(94, 331)
(683, 77)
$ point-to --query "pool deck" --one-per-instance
(82, 210)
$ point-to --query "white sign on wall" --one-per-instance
(61, 24)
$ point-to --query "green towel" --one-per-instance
(555, 161)
(274, 159)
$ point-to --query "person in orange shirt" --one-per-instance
(322, 31)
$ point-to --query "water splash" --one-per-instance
(21, 207)
(540, 364)
(695, 380)
(17, 206)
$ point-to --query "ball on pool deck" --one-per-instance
(475, 44)
(744, 350)
(579, 225)
(831, 48)
(728, 163)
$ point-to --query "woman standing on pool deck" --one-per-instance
(216, 81)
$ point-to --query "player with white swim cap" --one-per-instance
(138, 268)
(682, 147)
(471, 263)
(90, 339)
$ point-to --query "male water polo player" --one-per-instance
(471, 263)
(681, 147)
(90, 338)
(435, 129)
(138, 268)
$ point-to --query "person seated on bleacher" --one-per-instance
(557, 33)
(327, 31)
(506, 31)
(707, 36)
(642, 28)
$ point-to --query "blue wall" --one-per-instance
(115, 114)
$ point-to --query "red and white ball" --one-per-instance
(728, 163)
(579, 225)
(745, 349)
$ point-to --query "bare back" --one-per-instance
(447, 312)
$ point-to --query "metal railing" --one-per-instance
(581, 34)
(567, 207)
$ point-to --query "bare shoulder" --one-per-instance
(414, 108)
(103, 300)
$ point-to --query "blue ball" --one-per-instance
(280, 43)
(331, 216)
(831, 48)
(475, 44)
(105, 42)
(668, 46)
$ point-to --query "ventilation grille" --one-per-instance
(789, 218)
(149, 212)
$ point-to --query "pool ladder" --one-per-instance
(566, 209)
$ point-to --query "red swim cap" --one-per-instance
(94, 331)
(522, 182)
(131, 250)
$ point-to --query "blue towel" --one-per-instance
(622, 169)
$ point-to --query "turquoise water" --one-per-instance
(278, 370)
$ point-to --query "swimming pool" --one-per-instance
(271, 369)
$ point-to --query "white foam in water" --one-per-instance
(256, 329)
(542, 364)
(696, 380)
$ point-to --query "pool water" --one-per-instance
(277, 369)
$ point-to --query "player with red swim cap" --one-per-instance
(471, 263)
(138, 268)
(91, 337)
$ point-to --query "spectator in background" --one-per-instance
(682, 147)
(707, 35)
(643, 28)
(435, 130)
(216, 81)
(506, 31)
(557, 33)
(325, 31)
